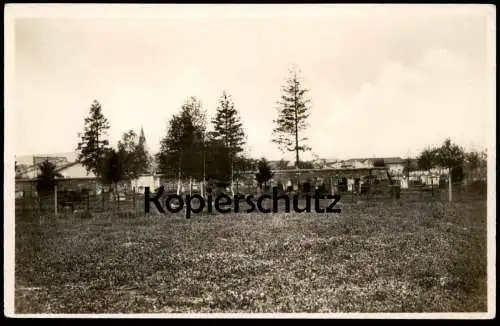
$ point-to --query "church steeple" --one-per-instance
(145, 158)
(142, 137)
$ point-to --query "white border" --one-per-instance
(13, 11)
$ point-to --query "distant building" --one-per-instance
(66, 168)
(56, 158)
(275, 165)
(356, 163)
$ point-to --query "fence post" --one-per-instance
(449, 185)
(352, 190)
(55, 201)
(117, 197)
(133, 199)
(370, 180)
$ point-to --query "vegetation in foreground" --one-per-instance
(373, 257)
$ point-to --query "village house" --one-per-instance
(74, 175)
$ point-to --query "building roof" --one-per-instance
(75, 170)
(33, 159)
(66, 166)
(62, 165)
(386, 159)
(393, 160)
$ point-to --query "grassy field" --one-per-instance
(372, 257)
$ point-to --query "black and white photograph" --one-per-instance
(250, 160)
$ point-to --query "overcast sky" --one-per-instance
(384, 81)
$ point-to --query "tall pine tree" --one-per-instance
(93, 143)
(229, 130)
(293, 112)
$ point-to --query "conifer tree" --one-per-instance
(93, 143)
(293, 112)
(229, 130)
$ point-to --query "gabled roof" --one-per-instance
(80, 172)
(68, 165)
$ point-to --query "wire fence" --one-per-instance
(130, 201)
(32, 207)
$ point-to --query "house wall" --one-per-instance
(25, 188)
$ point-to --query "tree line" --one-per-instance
(460, 163)
(190, 151)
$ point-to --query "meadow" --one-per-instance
(375, 256)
